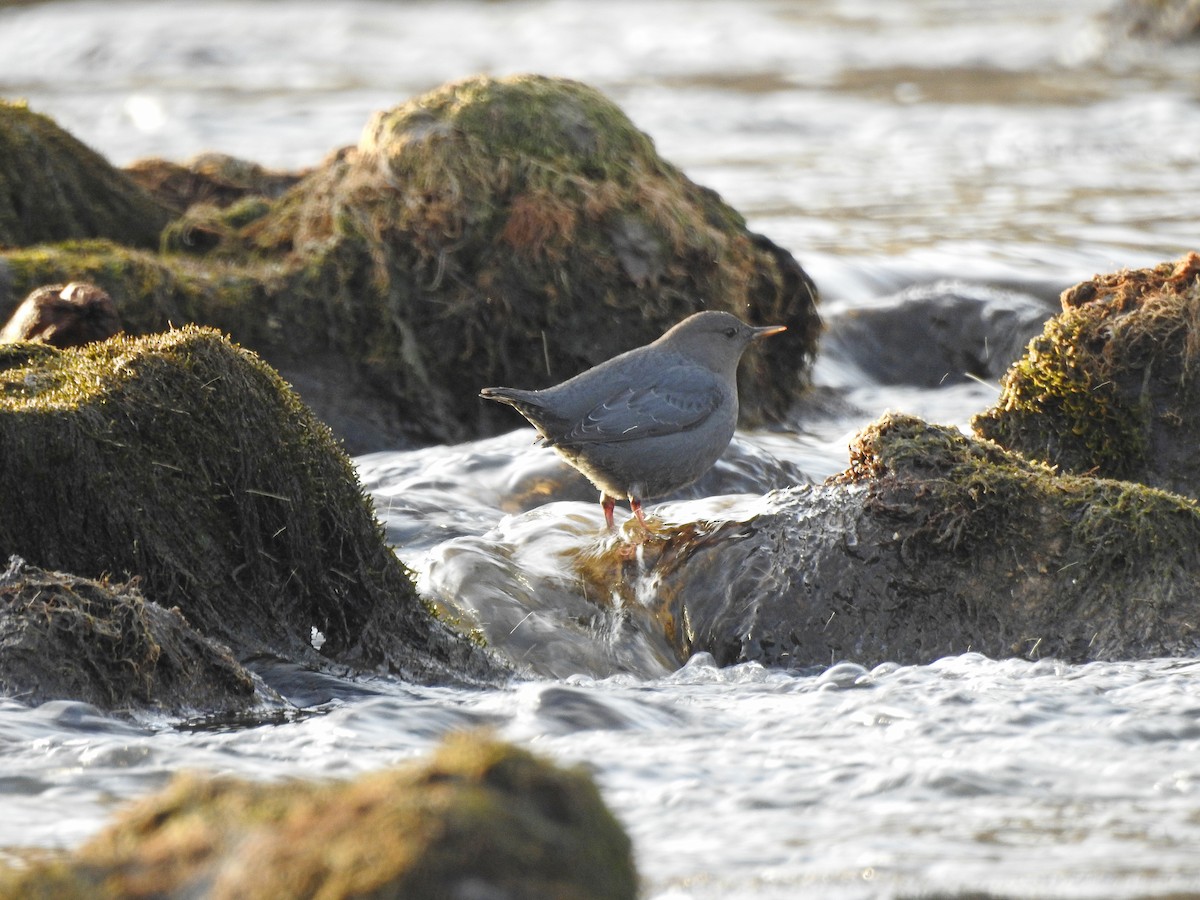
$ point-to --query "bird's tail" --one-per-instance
(514, 397)
(526, 403)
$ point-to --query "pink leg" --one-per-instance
(607, 503)
(636, 505)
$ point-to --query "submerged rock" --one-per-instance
(958, 330)
(480, 819)
(185, 461)
(494, 231)
(53, 188)
(65, 637)
(1112, 385)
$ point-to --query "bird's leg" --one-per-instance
(607, 503)
(636, 505)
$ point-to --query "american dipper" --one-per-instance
(650, 420)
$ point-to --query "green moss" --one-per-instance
(975, 497)
(1109, 387)
(188, 462)
(506, 220)
(479, 812)
(494, 231)
(152, 293)
(53, 188)
(1061, 404)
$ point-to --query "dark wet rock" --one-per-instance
(479, 819)
(53, 188)
(64, 315)
(68, 638)
(210, 178)
(494, 231)
(185, 461)
(931, 544)
(935, 334)
(1112, 385)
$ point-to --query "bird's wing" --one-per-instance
(680, 399)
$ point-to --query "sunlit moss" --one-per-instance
(188, 462)
(479, 815)
(472, 223)
(1110, 385)
(53, 188)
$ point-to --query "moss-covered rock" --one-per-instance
(152, 293)
(53, 188)
(509, 231)
(68, 638)
(1111, 385)
(480, 819)
(495, 231)
(185, 461)
(931, 544)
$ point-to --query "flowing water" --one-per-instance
(1008, 146)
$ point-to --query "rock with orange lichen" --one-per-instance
(479, 819)
(506, 231)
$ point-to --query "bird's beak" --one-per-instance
(767, 331)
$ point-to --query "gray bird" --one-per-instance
(650, 420)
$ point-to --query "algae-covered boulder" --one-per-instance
(53, 188)
(185, 461)
(480, 819)
(68, 638)
(510, 231)
(931, 544)
(1112, 385)
(494, 231)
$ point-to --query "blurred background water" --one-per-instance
(1009, 146)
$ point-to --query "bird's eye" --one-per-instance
(730, 332)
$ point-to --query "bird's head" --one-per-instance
(715, 339)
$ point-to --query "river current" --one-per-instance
(1010, 147)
